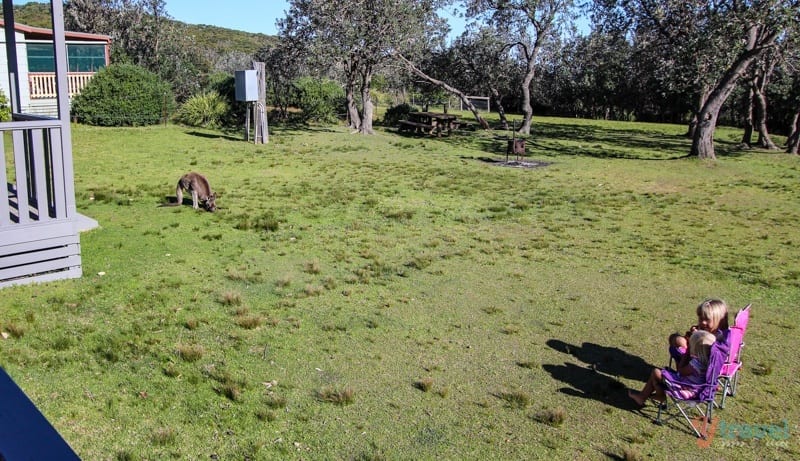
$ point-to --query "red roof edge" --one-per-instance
(38, 32)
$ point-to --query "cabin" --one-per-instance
(39, 223)
(86, 55)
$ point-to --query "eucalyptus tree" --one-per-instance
(144, 34)
(709, 45)
(357, 37)
(528, 25)
(756, 81)
(482, 63)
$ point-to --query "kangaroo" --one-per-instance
(197, 184)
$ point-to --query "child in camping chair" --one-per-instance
(684, 380)
(712, 316)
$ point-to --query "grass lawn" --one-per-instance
(400, 297)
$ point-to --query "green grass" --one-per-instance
(348, 284)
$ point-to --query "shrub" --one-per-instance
(123, 95)
(320, 100)
(207, 109)
(5, 108)
(225, 84)
(397, 113)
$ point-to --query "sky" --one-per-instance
(257, 16)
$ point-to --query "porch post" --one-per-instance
(62, 91)
(11, 55)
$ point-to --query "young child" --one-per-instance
(691, 373)
(712, 316)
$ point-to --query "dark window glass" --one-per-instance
(41, 58)
(86, 58)
(81, 58)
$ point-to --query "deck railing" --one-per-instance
(38, 238)
(43, 84)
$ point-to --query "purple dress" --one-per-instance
(685, 387)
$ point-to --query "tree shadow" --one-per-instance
(599, 378)
(596, 141)
(200, 134)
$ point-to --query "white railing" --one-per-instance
(43, 84)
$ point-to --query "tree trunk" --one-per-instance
(447, 88)
(793, 142)
(527, 109)
(761, 119)
(747, 136)
(353, 120)
(702, 97)
(703, 140)
(366, 102)
(498, 101)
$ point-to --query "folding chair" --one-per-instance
(742, 318)
(703, 394)
(729, 375)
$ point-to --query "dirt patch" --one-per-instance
(528, 164)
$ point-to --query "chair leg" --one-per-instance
(725, 386)
(734, 383)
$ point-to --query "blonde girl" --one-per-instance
(687, 376)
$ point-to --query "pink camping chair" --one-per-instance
(729, 375)
(742, 318)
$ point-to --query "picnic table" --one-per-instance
(430, 123)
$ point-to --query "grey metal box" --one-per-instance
(246, 85)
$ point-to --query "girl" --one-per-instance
(687, 376)
(712, 316)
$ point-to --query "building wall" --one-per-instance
(22, 59)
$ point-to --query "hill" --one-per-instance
(209, 37)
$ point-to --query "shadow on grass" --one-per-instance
(597, 141)
(201, 134)
(599, 378)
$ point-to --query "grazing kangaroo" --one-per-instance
(197, 184)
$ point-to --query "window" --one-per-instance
(80, 57)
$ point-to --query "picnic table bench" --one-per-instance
(429, 123)
(408, 125)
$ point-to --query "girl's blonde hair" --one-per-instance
(716, 311)
(700, 345)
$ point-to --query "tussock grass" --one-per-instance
(163, 436)
(425, 250)
(344, 396)
(230, 298)
(190, 352)
(424, 384)
(14, 329)
(552, 416)
(515, 398)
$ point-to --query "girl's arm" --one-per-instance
(684, 361)
(688, 368)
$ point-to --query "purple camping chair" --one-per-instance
(702, 398)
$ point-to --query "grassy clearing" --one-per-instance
(377, 297)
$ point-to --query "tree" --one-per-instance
(143, 34)
(757, 80)
(528, 25)
(479, 62)
(708, 44)
(356, 38)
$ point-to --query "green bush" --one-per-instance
(124, 95)
(5, 109)
(320, 100)
(396, 113)
(207, 109)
